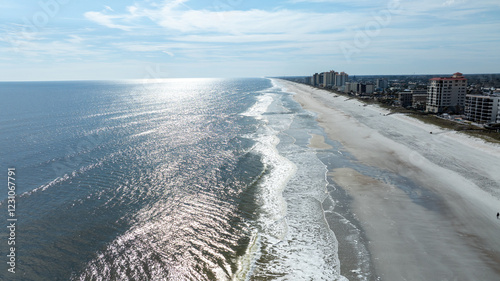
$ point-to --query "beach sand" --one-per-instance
(443, 229)
(318, 142)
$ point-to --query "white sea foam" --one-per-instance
(461, 171)
(274, 207)
(294, 236)
(272, 219)
(260, 107)
(246, 263)
(63, 178)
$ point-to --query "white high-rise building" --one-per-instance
(329, 78)
(341, 78)
(446, 93)
(482, 109)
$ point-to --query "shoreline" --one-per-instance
(447, 230)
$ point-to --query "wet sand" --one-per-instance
(318, 141)
(451, 231)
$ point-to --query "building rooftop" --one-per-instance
(456, 76)
(483, 96)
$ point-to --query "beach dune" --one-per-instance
(443, 229)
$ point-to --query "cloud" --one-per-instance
(106, 20)
(174, 16)
(353, 2)
(75, 39)
(169, 53)
(303, 35)
(208, 29)
(247, 22)
(453, 2)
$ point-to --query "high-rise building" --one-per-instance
(329, 78)
(368, 89)
(446, 93)
(341, 78)
(315, 79)
(482, 109)
(351, 87)
(382, 83)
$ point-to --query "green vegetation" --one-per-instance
(471, 130)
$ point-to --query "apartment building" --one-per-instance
(446, 93)
(482, 109)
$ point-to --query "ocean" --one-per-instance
(175, 179)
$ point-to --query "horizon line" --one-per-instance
(250, 77)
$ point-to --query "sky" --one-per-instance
(111, 39)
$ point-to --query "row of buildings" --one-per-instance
(443, 95)
(330, 79)
(366, 88)
(449, 94)
(340, 82)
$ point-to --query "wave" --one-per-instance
(292, 238)
(64, 178)
(260, 107)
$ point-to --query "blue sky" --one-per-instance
(73, 40)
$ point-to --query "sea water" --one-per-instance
(177, 179)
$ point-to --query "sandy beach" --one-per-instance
(441, 223)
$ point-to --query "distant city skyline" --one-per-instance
(72, 40)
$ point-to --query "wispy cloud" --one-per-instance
(308, 34)
(75, 39)
(173, 16)
(106, 20)
(350, 2)
(296, 31)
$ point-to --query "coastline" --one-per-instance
(445, 227)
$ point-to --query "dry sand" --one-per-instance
(453, 234)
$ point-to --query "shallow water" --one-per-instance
(186, 179)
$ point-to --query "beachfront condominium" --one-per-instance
(446, 94)
(359, 88)
(341, 78)
(482, 109)
(329, 79)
